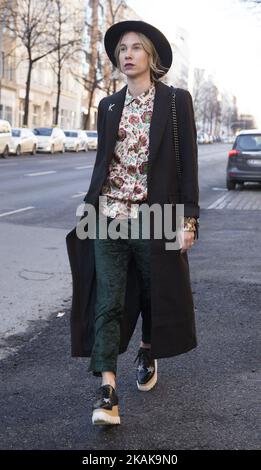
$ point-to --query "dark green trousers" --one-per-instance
(111, 260)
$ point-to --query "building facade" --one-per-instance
(43, 90)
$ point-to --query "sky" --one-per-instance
(224, 39)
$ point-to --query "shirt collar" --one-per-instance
(142, 98)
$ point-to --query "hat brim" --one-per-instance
(158, 39)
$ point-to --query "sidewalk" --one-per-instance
(36, 280)
(205, 399)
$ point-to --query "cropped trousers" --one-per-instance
(111, 260)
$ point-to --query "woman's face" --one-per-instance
(134, 60)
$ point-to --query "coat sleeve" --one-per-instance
(188, 153)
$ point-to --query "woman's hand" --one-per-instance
(188, 241)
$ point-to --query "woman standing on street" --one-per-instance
(117, 279)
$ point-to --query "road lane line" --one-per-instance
(18, 210)
(83, 167)
(219, 189)
(79, 195)
(40, 173)
(9, 164)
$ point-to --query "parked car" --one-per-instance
(76, 141)
(5, 138)
(244, 160)
(200, 138)
(50, 139)
(228, 139)
(23, 140)
(92, 139)
(203, 138)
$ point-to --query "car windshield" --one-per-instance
(249, 142)
(16, 133)
(71, 134)
(46, 131)
(91, 133)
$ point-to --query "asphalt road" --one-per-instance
(205, 399)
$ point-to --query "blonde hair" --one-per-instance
(156, 69)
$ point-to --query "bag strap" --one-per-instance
(176, 147)
(175, 133)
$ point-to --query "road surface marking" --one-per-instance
(8, 164)
(83, 167)
(243, 200)
(79, 195)
(18, 210)
(219, 189)
(40, 173)
(217, 202)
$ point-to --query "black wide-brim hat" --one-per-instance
(158, 39)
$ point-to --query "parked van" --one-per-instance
(5, 138)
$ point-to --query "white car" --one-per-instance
(76, 140)
(5, 138)
(23, 140)
(50, 139)
(92, 139)
(200, 138)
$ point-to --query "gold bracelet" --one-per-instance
(189, 224)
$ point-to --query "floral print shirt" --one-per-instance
(126, 184)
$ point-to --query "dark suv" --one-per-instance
(244, 160)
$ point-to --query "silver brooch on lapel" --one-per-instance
(111, 106)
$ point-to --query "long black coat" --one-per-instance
(172, 311)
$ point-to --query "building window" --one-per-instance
(8, 114)
(6, 67)
(21, 112)
(36, 115)
(54, 113)
(2, 64)
(64, 119)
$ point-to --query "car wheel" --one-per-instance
(18, 150)
(52, 149)
(231, 184)
(5, 152)
(33, 152)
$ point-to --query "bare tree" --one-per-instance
(99, 74)
(30, 21)
(94, 74)
(66, 39)
(115, 10)
(212, 108)
(198, 83)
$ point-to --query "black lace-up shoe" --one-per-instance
(105, 409)
(146, 372)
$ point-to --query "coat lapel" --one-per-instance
(113, 117)
(161, 110)
(162, 105)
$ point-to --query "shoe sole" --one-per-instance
(101, 416)
(151, 383)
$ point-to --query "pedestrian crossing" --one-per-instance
(242, 200)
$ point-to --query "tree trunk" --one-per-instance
(59, 85)
(87, 122)
(27, 93)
